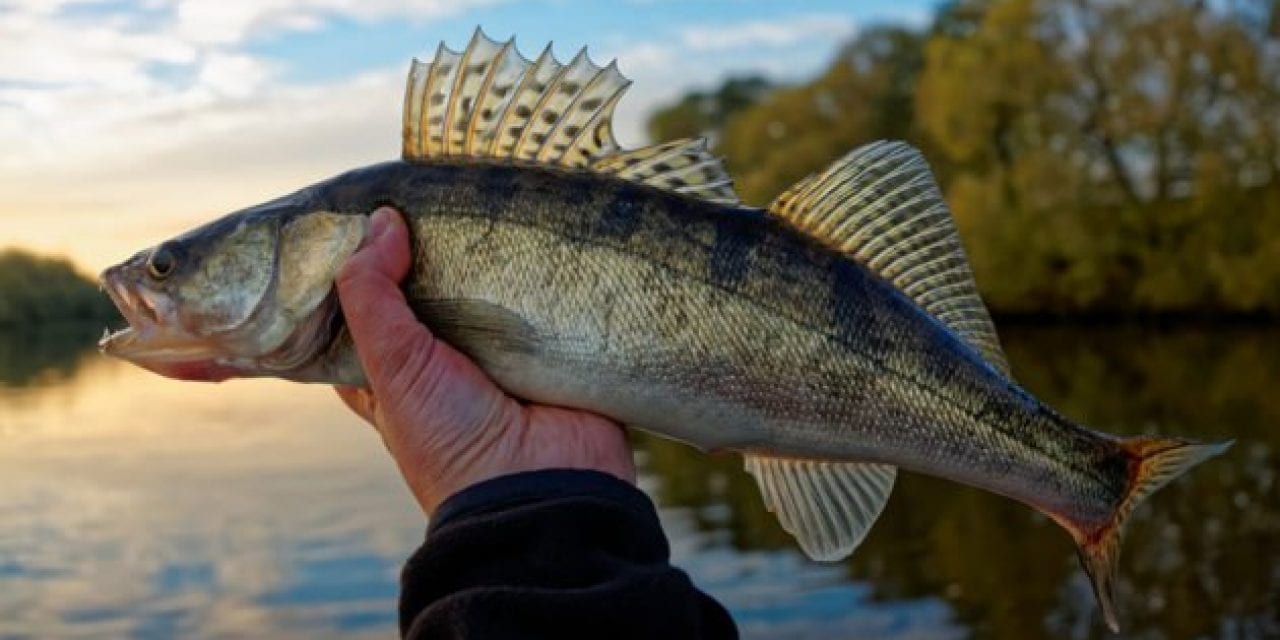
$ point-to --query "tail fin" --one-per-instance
(1156, 462)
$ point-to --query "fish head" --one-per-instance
(250, 294)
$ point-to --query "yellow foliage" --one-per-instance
(1099, 157)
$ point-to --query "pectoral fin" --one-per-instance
(827, 506)
(476, 327)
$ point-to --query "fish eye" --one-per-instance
(161, 263)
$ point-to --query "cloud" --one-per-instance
(128, 127)
(42, 48)
(223, 22)
(71, 83)
(700, 56)
(233, 75)
(770, 33)
(42, 6)
(154, 170)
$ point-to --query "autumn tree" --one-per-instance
(1096, 143)
(1101, 157)
(704, 113)
(779, 135)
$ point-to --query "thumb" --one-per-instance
(386, 333)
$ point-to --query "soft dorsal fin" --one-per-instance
(827, 506)
(684, 166)
(488, 101)
(881, 205)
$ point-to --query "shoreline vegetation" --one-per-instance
(44, 293)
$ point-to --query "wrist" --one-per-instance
(432, 490)
(515, 489)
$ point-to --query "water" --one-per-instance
(133, 506)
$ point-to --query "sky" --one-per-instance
(125, 123)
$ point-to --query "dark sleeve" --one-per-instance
(552, 554)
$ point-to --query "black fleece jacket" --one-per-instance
(552, 554)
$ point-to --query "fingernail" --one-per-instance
(380, 222)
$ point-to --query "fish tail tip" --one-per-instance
(1155, 463)
(1100, 560)
(1113, 624)
(1220, 447)
(1158, 461)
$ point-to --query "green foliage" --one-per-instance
(36, 291)
(703, 113)
(865, 95)
(42, 355)
(1099, 157)
(1110, 157)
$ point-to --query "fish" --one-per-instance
(833, 337)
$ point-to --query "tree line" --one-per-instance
(1100, 157)
(36, 291)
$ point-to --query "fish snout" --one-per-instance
(146, 310)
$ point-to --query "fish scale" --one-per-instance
(831, 338)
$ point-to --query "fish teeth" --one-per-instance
(129, 306)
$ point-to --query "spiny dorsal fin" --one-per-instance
(488, 101)
(827, 506)
(881, 205)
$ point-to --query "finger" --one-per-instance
(386, 333)
(359, 400)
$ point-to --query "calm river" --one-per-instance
(133, 506)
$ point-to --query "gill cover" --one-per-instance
(313, 247)
(294, 323)
(221, 278)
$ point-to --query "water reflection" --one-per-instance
(51, 353)
(133, 506)
(136, 506)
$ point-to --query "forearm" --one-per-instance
(549, 554)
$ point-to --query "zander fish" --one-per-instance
(831, 338)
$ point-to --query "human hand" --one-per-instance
(446, 424)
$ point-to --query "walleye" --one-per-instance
(831, 338)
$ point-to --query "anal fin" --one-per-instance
(827, 506)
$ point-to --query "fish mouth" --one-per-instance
(152, 336)
(139, 315)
